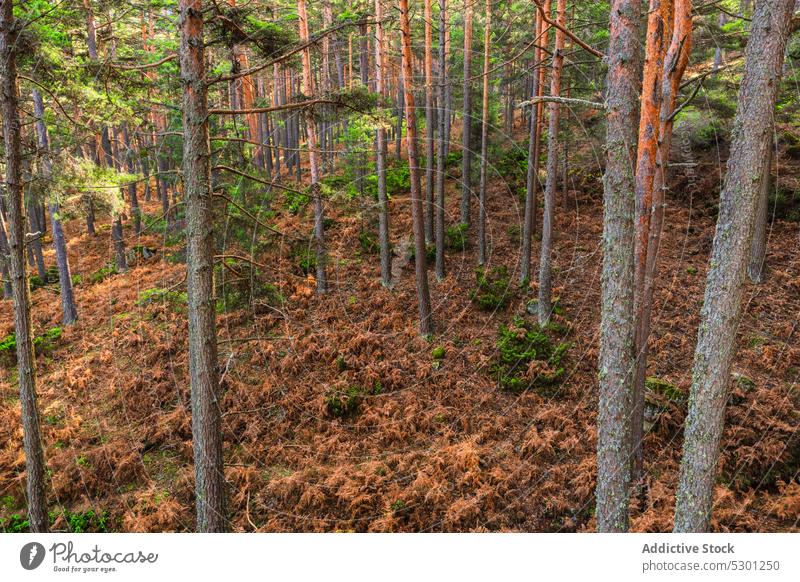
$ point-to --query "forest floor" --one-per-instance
(435, 444)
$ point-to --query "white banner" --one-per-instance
(381, 557)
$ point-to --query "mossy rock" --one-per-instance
(665, 389)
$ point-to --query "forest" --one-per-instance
(399, 266)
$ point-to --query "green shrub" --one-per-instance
(438, 353)
(305, 259)
(492, 289)
(368, 241)
(527, 358)
(455, 237)
(157, 295)
(82, 522)
(42, 344)
(242, 285)
(343, 403)
(430, 254)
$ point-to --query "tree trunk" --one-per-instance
(675, 62)
(487, 35)
(133, 197)
(423, 292)
(616, 357)
(203, 371)
(534, 145)
(313, 154)
(69, 310)
(441, 153)
(380, 153)
(429, 123)
(758, 250)
(545, 259)
(466, 129)
(716, 339)
(26, 364)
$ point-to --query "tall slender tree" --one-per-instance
(722, 305)
(487, 34)
(380, 155)
(466, 126)
(203, 371)
(616, 358)
(441, 151)
(417, 220)
(430, 130)
(26, 365)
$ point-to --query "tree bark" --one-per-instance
(484, 137)
(380, 153)
(466, 129)
(758, 250)
(430, 131)
(418, 223)
(716, 339)
(203, 371)
(68, 308)
(441, 152)
(545, 258)
(26, 364)
(313, 154)
(616, 357)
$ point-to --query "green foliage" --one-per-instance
(163, 296)
(455, 237)
(89, 521)
(296, 201)
(665, 389)
(344, 403)
(702, 130)
(527, 358)
(42, 344)
(242, 284)
(103, 273)
(512, 165)
(305, 259)
(492, 289)
(438, 353)
(368, 241)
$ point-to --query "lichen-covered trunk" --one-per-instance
(31, 437)
(545, 257)
(313, 154)
(616, 357)
(69, 310)
(676, 59)
(380, 153)
(466, 126)
(758, 250)
(487, 33)
(203, 371)
(716, 338)
(417, 221)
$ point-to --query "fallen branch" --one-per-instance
(564, 101)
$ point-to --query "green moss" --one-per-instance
(438, 353)
(103, 273)
(344, 403)
(521, 344)
(665, 389)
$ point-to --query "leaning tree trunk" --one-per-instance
(31, 438)
(716, 339)
(487, 33)
(69, 310)
(758, 250)
(380, 152)
(313, 154)
(545, 257)
(417, 220)
(616, 357)
(203, 371)
(466, 126)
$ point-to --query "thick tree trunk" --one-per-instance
(26, 366)
(313, 154)
(616, 358)
(203, 371)
(380, 153)
(466, 129)
(716, 339)
(69, 310)
(487, 34)
(545, 258)
(418, 223)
